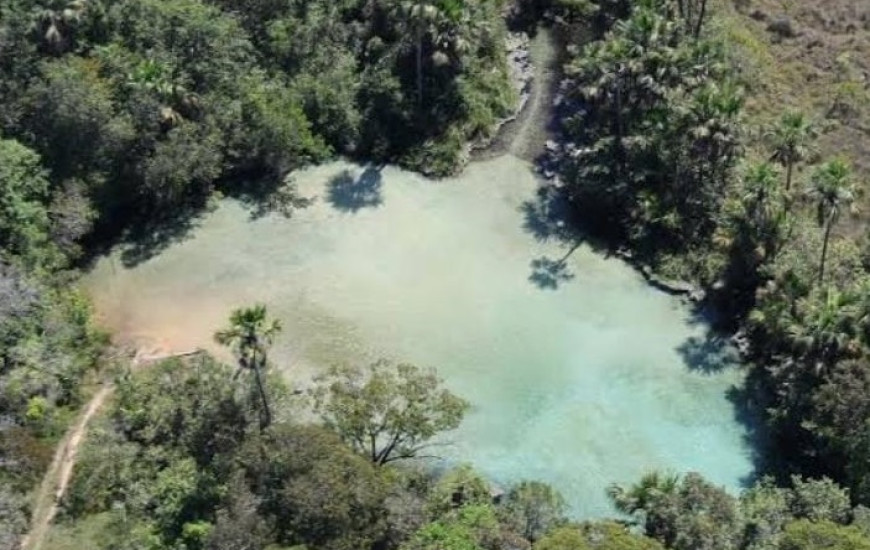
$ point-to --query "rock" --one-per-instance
(697, 295)
(758, 15)
(741, 342)
(552, 146)
(522, 73)
(782, 26)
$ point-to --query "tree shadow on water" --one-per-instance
(140, 244)
(548, 273)
(715, 352)
(709, 354)
(348, 194)
(550, 217)
(749, 413)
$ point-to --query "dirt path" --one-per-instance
(526, 135)
(56, 480)
(59, 473)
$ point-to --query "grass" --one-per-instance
(84, 533)
(819, 72)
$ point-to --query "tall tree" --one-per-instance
(791, 137)
(763, 213)
(534, 508)
(24, 190)
(55, 22)
(425, 17)
(832, 189)
(249, 335)
(693, 13)
(387, 412)
(687, 514)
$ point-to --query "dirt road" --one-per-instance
(59, 473)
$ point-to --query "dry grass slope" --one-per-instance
(812, 56)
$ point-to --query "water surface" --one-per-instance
(581, 381)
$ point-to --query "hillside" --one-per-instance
(809, 56)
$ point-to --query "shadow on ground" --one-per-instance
(348, 194)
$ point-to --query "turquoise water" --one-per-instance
(579, 385)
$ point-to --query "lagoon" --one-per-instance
(581, 375)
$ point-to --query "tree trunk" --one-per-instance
(620, 156)
(700, 22)
(788, 171)
(266, 416)
(828, 226)
(419, 65)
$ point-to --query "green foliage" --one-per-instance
(687, 514)
(249, 336)
(459, 487)
(563, 538)
(534, 508)
(658, 137)
(386, 412)
(841, 418)
(808, 535)
(832, 191)
(192, 407)
(37, 409)
(470, 527)
(819, 499)
(162, 460)
(24, 188)
(595, 536)
(143, 106)
(47, 347)
(13, 518)
(76, 122)
(765, 511)
(315, 489)
(790, 141)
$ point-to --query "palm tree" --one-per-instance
(759, 190)
(56, 20)
(832, 190)
(249, 335)
(424, 17)
(156, 78)
(693, 13)
(642, 498)
(828, 330)
(761, 199)
(790, 141)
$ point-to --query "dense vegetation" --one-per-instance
(662, 163)
(184, 460)
(148, 106)
(47, 343)
(115, 114)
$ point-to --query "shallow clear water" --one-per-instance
(579, 385)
